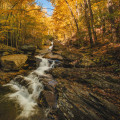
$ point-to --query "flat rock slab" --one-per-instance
(78, 102)
(54, 57)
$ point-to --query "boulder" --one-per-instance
(53, 57)
(28, 49)
(47, 99)
(33, 61)
(49, 87)
(13, 62)
(20, 79)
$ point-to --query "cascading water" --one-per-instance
(51, 47)
(27, 89)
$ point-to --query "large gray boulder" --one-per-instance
(13, 62)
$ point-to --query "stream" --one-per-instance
(18, 99)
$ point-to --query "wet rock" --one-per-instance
(53, 57)
(47, 99)
(48, 87)
(22, 81)
(33, 61)
(5, 77)
(58, 63)
(44, 78)
(13, 62)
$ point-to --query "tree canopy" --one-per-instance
(91, 21)
(22, 21)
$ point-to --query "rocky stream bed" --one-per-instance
(74, 88)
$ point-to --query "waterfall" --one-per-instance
(51, 47)
(27, 89)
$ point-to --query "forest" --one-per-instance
(92, 22)
(60, 65)
(21, 22)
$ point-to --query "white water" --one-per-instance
(51, 47)
(26, 95)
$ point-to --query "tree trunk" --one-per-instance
(103, 27)
(112, 21)
(88, 23)
(73, 16)
(118, 33)
(92, 21)
(7, 38)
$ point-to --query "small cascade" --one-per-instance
(51, 47)
(27, 89)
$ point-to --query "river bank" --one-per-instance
(21, 93)
(87, 89)
(9, 70)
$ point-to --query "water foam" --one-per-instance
(27, 97)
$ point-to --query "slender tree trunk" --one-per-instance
(17, 38)
(7, 38)
(103, 27)
(118, 33)
(92, 21)
(20, 32)
(11, 39)
(73, 16)
(112, 21)
(88, 23)
(73, 30)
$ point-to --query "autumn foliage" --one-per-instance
(21, 22)
(90, 22)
